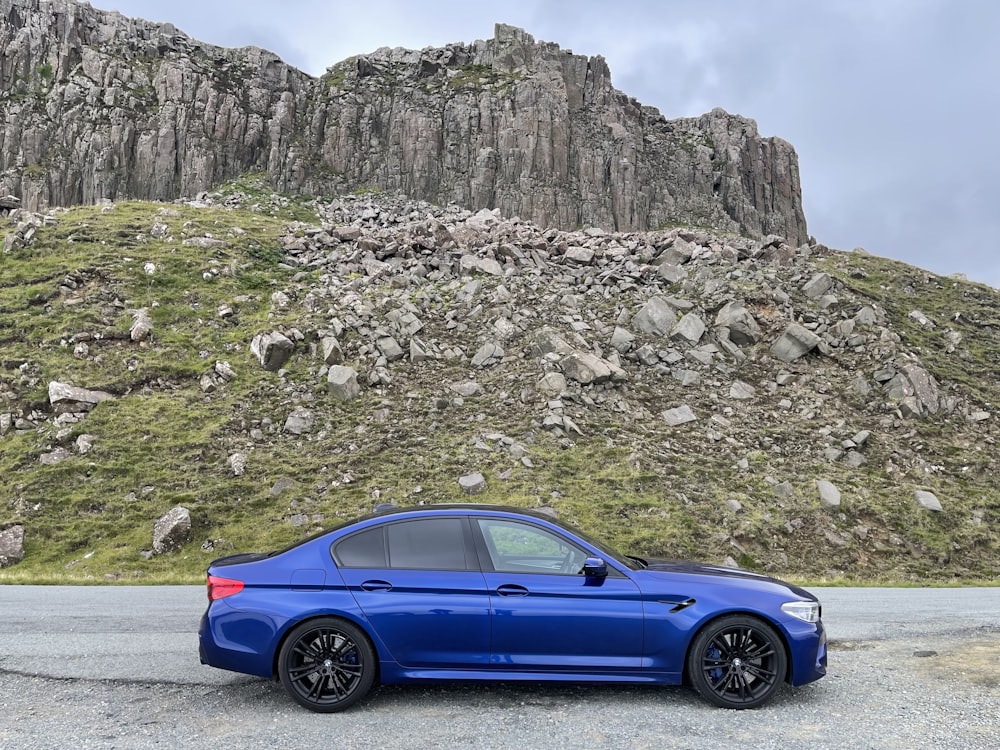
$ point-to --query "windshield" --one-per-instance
(629, 561)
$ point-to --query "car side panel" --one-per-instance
(671, 628)
(564, 622)
(242, 632)
(426, 618)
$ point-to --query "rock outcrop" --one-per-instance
(96, 106)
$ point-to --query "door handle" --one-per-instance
(512, 589)
(376, 586)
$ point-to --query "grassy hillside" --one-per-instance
(165, 440)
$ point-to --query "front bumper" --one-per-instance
(807, 647)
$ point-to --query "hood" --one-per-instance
(705, 569)
(720, 571)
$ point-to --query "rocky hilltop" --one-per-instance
(95, 106)
(183, 380)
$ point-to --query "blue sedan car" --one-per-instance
(479, 592)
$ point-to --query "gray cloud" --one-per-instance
(891, 105)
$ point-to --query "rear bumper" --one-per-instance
(228, 639)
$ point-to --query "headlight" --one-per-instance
(805, 611)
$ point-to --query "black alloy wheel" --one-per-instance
(737, 662)
(326, 665)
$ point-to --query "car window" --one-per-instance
(366, 549)
(522, 548)
(427, 544)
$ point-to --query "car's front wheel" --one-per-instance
(326, 664)
(737, 662)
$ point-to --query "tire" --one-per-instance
(326, 665)
(737, 662)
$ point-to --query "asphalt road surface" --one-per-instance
(117, 667)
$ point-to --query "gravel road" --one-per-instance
(117, 667)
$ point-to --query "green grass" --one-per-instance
(164, 442)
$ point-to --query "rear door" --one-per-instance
(419, 584)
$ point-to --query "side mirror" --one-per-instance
(595, 567)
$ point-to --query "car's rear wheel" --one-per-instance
(737, 662)
(326, 664)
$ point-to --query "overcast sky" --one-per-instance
(892, 105)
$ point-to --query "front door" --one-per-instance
(546, 614)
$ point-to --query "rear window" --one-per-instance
(366, 549)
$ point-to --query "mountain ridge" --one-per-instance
(101, 107)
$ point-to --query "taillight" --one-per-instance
(219, 588)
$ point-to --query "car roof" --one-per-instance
(386, 509)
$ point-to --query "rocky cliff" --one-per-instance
(95, 106)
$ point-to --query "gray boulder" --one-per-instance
(671, 274)
(281, 486)
(738, 323)
(472, 484)
(552, 384)
(272, 350)
(829, 495)
(679, 415)
(866, 316)
(587, 368)
(784, 490)
(54, 457)
(342, 383)
(238, 464)
(407, 323)
(581, 255)
(621, 340)
(489, 354)
(656, 318)
(928, 500)
(333, 354)
(11, 546)
(467, 389)
(818, 285)
(172, 531)
(689, 328)
(470, 264)
(915, 390)
(67, 398)
(299, 421)
(795, 342)
(547, 341)
(390, 348)
(142, 325)
(677, 254)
